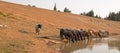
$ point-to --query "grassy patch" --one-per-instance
(8, 15)
(12, 17)
(14, 45)
(1, 13)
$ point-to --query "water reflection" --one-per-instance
(114, 44)
(105, 45)
(68, 48)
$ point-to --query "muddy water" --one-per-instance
(95, 45)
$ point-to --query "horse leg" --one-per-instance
(72, 38)
(68, 39)
(88, 37)
(99, 35)
(83, 36)
(78, 37)
(61, 36)
(38, 32)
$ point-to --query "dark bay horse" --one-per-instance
(66, 34)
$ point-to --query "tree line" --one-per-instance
(91, 14)
(65, 9)
(112, 15)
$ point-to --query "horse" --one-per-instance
(84, 34)
(103, 33)
(66, 34)
(94, 33)
(75, 35)
(37, 28)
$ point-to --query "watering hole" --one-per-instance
(95, 45)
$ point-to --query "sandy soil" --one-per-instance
(20, 21)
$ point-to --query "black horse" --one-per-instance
(84, 34)
(66, 34)
(78, 35)
(74, 35)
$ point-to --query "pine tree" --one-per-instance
(55, 8)
(90, 13)
(67, 10)
(96, 16)
(113, 16)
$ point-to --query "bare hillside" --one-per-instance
(20, 21)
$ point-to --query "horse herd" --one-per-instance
(78, 35)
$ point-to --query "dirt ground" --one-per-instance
(19, 36)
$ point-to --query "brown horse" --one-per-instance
(94, 33)
(103, 33)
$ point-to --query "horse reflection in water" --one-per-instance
(70, 47)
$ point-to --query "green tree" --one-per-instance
(83, 13)
(29, 5)
(113, 16)
(67, 10)
(59, 11)
(90, 13)
(33, 6)
(55, 8)
(96, 16)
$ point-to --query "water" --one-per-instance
(96, 45)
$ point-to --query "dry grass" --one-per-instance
(20, 17)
